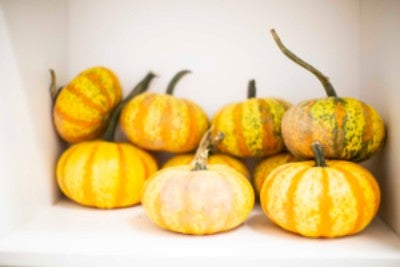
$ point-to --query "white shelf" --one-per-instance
(66, 234)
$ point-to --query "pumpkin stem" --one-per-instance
(175, 80)
(319, 155)
(251, 89)
(207, 142)
(330, 91)
(54, 91)
(138, 89)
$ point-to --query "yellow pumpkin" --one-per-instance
(252, 128)
(186, 159)
(199, 199)
(105, 174)
(267, 165)
(82, 108)
(321, 199)
(163, 122)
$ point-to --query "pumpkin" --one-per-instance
(267, 165)
(82, 108)
(325, 198)
(218, 158)
(105, 174)
(252, 128)
(163, 122)
(198, 199)
(347, 128)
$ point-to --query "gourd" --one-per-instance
(267, 165)
(252, 128)
(163, 122)
(325, 198)
(200, 198)
(105, 174)
(82, 108)
(347, 128)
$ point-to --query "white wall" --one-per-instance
(224, 43)
(380, 86)
(33, 39)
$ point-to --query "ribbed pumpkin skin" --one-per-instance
(252, 128)
(162, 122)
(213, 159)
(198, 202)
(267, 165)
(104, 174)
(348, 129)
(332, 201)
(83, 106)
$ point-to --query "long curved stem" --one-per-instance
(138, 89)
(330, 91)
(175, 80)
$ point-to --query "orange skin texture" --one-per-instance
(348, 129)
(213, 159)
(104, 174)
(161, 122)
(251, 128)
(338, 200)
(198, 202)
(267, 165)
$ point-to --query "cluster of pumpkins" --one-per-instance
(309, 180)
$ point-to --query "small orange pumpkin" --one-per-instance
(198, 199)
(105, 174)
(162, 122)
(82, 108)
(252, 128)
(321, 199)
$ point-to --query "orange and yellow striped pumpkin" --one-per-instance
(105, 174)
(82, 108)
(327, 199)
(186, 159)
(347, 128)
(252, 128)
(267, 165)
(163, 122)
(204, 199)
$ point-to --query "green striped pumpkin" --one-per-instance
(252, 128)
(347, 128)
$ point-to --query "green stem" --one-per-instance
(330, 91)
(53, 85)
(319, 155)
(175, 80)
(207, 142)
(138, 89)
(251, 89)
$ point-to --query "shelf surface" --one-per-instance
(66, 234)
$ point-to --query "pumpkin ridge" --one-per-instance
(269, 141)
(358, 196)
(61, 167)
(192, 124)
(95, 79)
(290, 197)
(122, 181)
(86, 100)
(141, 116)
(82, 122)
(367, 133)
(268, 183)
(325, 203)
(238, 130)
(116, 84)
(167, 119)
(340, 115)
(87, 188)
